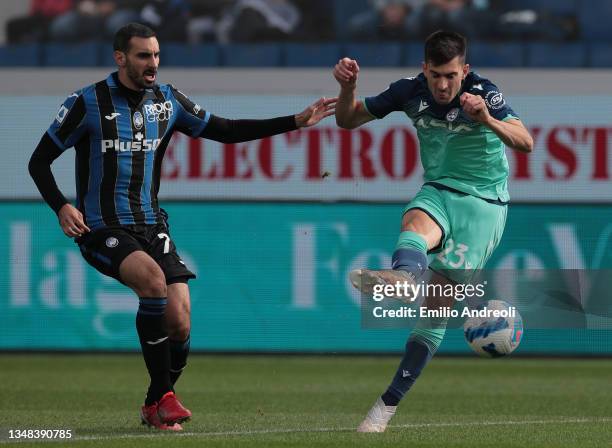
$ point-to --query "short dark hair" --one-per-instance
(443, 46)
(121, 42)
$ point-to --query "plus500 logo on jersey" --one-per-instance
(119, 146)
(158, 111)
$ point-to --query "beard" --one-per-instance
(138, 78)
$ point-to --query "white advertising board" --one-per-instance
(377, 162)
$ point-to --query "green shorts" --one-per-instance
(472, 228)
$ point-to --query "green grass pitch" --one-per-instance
(268, 401)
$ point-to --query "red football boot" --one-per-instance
(170, 410)
(150, 417)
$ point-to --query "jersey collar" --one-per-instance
(133, 96)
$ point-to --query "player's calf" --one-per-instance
(179, 351)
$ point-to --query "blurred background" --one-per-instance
(288, 33)
(272, 227)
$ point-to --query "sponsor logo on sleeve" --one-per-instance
(494, 100)
(61, 114)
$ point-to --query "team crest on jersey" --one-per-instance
(111, 242)
(138, 120)
(494, 100)
(159, 111)
(452, 114)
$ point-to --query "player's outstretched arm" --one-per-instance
(350, 113)
(70, 219)
(512, 132)
(235, 131)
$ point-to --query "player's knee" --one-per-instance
(416, 227)
(153, 285)
(422, 224)
(158, 286)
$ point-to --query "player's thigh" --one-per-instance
(106, 249)
(162, 249)
(477, 227)
(418, 221)
(427, 216)
(141, 272)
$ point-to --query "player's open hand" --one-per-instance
(323, 107)
(71, 221)
(346, 72)
(474, 107)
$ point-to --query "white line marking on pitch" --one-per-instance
(307, 430)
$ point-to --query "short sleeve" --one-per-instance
(70, 123)
(495, 101)
(392, 99)
(191, 118)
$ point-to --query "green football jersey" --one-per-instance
(455, 151)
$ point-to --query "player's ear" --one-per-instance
(119, 58)
(466, 70)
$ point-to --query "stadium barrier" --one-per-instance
(384, 54)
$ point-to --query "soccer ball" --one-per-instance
(491, 336)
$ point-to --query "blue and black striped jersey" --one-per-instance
(120, 137)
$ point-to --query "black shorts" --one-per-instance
(106, 248)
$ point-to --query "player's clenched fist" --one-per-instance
(474, 107)
(346, 71)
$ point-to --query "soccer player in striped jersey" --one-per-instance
(463, 123)
(120, 128)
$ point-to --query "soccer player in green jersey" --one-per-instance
(463, 124)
